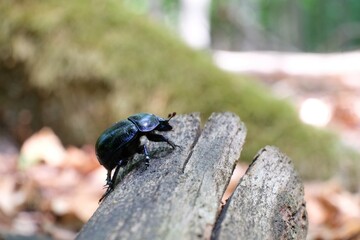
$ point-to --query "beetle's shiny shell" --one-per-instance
(145, 122)
(111, 142)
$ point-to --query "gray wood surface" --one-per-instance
(268, 202)
(178, 195)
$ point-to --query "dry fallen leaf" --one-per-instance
(333, 212)
(42, 146)
(83, 160)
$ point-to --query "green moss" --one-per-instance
(91, 63)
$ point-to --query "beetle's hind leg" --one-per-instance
(108, 191)
(110, 181)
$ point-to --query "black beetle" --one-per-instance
(122, 140)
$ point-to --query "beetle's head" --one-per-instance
(164, 123)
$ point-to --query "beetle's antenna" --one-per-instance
(170, 116)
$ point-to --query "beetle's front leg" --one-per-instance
(160, 138)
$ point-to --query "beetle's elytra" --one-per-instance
(122, 140)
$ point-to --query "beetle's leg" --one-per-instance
(143, 149)
(147, 157)
(109, 184)
(108, 178)
(110, 181)
(108, 191)
(160, 138)
(113, 179)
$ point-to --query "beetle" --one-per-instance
(121, 141)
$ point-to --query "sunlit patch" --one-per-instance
(315, 112)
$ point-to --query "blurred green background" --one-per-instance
(303, 25)
(79, 66)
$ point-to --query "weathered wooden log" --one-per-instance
(268, 203)
(178, 195)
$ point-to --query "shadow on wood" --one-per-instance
(178, 195)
